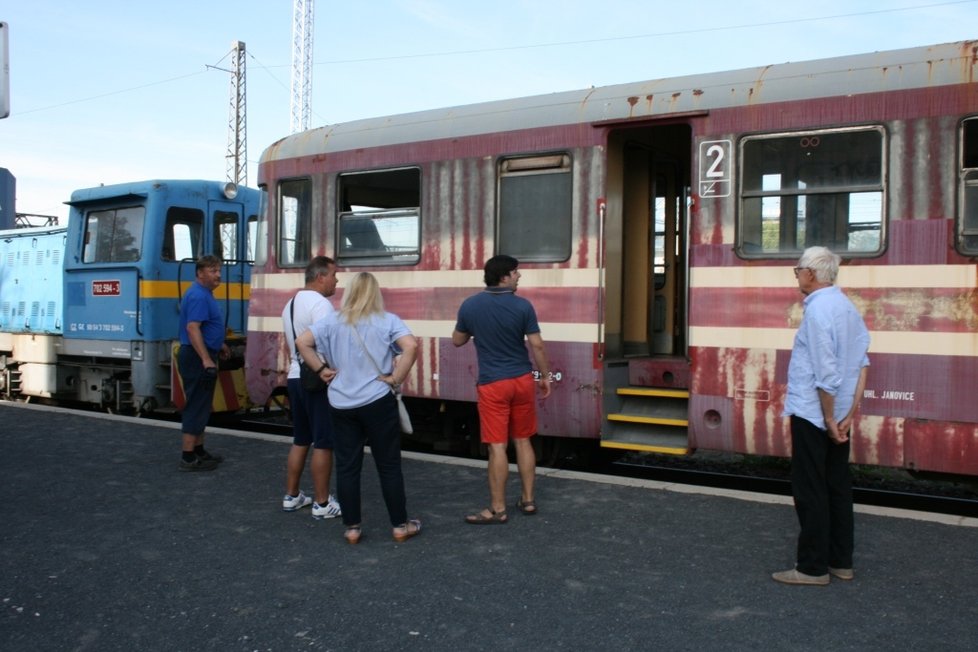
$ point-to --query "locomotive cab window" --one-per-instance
(181, 238)
(226, 236)
(114, 235)
(294, 222)
(812, 188)
(968, 189)
(379, 217)
(535, 203)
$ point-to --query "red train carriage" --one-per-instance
(656, 224)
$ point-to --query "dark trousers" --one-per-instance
(375, 424)
(198, 389)
(822, 488)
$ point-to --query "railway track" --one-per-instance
(924, 501)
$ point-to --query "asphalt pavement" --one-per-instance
(105, 545)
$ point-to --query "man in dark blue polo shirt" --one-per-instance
(201, 344)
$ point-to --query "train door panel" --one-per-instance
(227, 235)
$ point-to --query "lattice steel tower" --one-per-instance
(237, 156)
(302, 21)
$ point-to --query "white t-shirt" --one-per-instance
(310, 307)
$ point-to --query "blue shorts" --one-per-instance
(311, 421)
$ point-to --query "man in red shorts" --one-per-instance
(499, 321)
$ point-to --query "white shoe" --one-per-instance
(841, 573)
(292, 503)
(794, 576)
(330, 510)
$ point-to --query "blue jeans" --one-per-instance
(375, 424)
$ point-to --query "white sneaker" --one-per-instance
(330, 510)
(292, 503)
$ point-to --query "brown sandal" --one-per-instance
(353, 534)
(494, 518)
(528, 507)
(404, 532)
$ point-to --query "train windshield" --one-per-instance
(114, 235)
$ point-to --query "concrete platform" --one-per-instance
(104, 545)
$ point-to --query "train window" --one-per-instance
(258, 243)
(181, 237)
(968, 204)
(250, 238)
(114, 235)
(226, 236)
(535, 204)
(379, 217)
(813, 188)
(294, 222)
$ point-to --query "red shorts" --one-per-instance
(507, 408)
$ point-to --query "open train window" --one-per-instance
(535, 204)
(226, 236)
(294, 222)
(968, 189)
(181, 237)
(812, 188)
(114, 235)
(379, 217)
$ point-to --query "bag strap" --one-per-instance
(369, 357)
(365, 351)
(292, 324)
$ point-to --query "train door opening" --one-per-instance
(228, 240)
(646, 370)
(653, 177)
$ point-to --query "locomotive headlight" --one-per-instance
(230, 190)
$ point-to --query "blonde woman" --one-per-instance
(363, 372)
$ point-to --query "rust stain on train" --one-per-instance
(914, 310)
(632, 102)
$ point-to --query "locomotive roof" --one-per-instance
(936, 65)
(137, 190)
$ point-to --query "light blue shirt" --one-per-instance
(829, 354)
(355, 383)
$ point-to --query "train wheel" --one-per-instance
(278, 402)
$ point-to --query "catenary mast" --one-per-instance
(302, 32)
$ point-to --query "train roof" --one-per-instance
(32, 231)
(936, 65)
(141, 189)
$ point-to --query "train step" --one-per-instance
(650, 419)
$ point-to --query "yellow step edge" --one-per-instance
(660, 421)
(667, 450)
(651, 391)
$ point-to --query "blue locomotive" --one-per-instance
(90, 311)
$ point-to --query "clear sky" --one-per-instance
(107, 91)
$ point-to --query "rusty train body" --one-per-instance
(657, 224)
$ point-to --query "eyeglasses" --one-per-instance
(799, 269)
